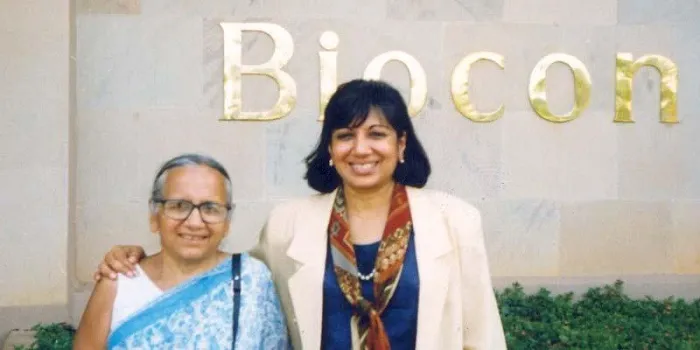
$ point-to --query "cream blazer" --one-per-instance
(456, 305)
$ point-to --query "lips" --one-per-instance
(365, 168)
(193, 238)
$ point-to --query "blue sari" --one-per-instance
(198, 314)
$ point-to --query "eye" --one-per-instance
(344, 135)
(179, 205)
(212, 208)
(377, 134)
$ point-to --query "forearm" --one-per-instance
(96, 321)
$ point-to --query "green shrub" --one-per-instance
(54, 336)
(602, 318)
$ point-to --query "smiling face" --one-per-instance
(367, 155)
(191, 239)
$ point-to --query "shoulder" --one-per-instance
(462, 219)
(255, 267)
(297, 206)
(451, 206)
(283, 215)
(257, 277)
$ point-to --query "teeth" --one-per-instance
(365, 166)
(192, 238)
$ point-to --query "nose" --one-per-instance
(195, 218)
(362, 145)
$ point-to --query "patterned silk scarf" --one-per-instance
(366, 324)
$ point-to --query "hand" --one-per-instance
(119, 259)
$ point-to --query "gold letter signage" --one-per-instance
(234, 69)
(460, 87)
(419, 81)
(623, 86)
(329, 68)
(626, 67)
(538, 87)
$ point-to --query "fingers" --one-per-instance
(134, 251)
(105, 271)
(119, 262)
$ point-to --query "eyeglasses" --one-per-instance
(180, 209)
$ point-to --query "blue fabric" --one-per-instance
(198, 314)
(400, 317)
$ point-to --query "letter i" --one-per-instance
(328, 73)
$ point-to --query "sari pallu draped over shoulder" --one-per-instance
(198, 314)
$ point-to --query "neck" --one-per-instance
(367, 201)
(172, 270)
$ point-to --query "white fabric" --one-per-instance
(133, 294)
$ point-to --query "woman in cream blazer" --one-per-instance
(456, 306)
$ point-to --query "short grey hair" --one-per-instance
(187, 160)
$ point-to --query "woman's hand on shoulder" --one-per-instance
(120, 259)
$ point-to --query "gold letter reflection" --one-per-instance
(625, 69)
(460, 87)
(234, 70)
(419, 82)
(538, 87)
(329, 68)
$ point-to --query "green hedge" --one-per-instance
(603, 318)
(54, 336)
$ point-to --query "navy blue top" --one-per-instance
(401, 315)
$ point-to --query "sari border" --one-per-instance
(172, 300)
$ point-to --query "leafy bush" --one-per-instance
(603, 318)
(54, 336)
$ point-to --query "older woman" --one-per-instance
(374, 261)
(183, 297)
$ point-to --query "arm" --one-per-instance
(483, 328)
(96, 321)
(120, 259)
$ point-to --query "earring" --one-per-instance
(330, 163)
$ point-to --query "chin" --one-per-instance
(365, 184)
(190, 254)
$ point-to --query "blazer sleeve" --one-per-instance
(482, 328)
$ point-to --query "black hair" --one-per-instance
(349, 107)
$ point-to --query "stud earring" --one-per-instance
(330, 163)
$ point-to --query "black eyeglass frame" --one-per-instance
(228, 206)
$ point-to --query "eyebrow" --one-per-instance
(373, 126)
(380, 126)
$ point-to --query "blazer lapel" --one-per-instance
(433, 244)
(308, 247)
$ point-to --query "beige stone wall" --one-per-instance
(586, 199)
(34, 152)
